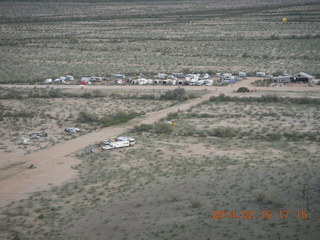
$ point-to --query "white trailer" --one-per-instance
(129, 139)
(118, 144)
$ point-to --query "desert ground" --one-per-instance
(222, 155)
(47, 39)
(232, 165)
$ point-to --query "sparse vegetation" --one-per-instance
(81, 40)
(246, 161)
(229, 153)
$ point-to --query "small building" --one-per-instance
(167, 82)
(302, 77)
(282, 79)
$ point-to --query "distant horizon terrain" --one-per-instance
(46, 39)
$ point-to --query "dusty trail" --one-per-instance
(54, 163)
(225, 89)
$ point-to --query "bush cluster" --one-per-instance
(120, 117)
(107, 120)
(178, 94)
(18, 93)
(243, 89)
(269, 98)
(158, 128)
(223, 132)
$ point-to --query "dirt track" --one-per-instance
(54, 163)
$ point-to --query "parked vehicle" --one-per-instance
(125, 139)
(117, 144)
(260, 74)
(38, 135)
(72, 130)
(106, 142)
(34, 135)
(107, 147)
(25, 141)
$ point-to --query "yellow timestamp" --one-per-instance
(248, 214)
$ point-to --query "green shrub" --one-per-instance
(274, 136)
(223, 132)
(171, 116)
(265, 98)
(143, 128)
(87, 117)
(263, 82)
(163, 128)
(107, 120)
(195, 203)
(174, 196)
(148, 97)
(17, 236)
(243, 89)
(120, 117)
(266, 197)
(294, 136)
(177, 94)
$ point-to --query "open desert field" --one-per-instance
(253, 153)
(46, 39)
(38, 110)
(206, 163)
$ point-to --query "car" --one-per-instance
(34, 135)
(107, 147)
(125, 139)
(72, 130)
(106, 142)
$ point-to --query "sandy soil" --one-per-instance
(53, 165)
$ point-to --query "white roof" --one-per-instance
(282, 77)
(304, 75)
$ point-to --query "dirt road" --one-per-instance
(225, 89)
(53, 165)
